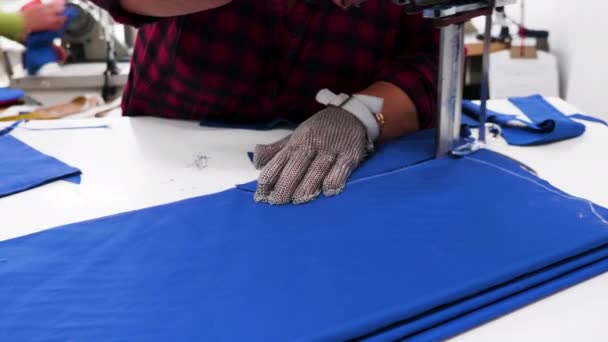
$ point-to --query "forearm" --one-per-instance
(170, 8)
(399, 111)
(11, 25)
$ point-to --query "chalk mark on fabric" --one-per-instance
(387, 173)
(588, 202)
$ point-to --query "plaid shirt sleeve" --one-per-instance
(123, 16)
(414, 68)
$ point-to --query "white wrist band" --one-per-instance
(362, 107)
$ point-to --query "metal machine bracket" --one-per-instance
(450, 16)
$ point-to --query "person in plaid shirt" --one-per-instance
(259, 60)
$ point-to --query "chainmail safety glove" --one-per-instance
(318, 156)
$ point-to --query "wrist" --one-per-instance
(26, 27)
(399, 110)
(364, 107)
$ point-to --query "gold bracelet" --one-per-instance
(380, 120)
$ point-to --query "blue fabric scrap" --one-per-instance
(39, 45)
(9, 96)
(428, 254)
(547, 123)
(10, 128)
(23, 168)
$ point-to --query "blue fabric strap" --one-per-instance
(23, 168)
(10, 128)
(589, 118)
(414, 251)
(547, 123)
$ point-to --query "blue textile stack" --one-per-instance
(416, 251)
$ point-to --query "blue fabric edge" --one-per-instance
(71, 174)
(524, 282)
(496, 310)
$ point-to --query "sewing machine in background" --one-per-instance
(97, 61)
(91, 36)
(450, 16)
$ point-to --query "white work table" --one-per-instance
(141, 162)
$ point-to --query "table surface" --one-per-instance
(140, 162)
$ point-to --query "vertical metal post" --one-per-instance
(451, 72)
(130, 35)
(6, 62)
(485, 81)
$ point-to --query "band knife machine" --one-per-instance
(450, 16)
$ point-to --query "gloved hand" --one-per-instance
(318, 157)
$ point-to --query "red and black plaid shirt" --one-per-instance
(254, 59)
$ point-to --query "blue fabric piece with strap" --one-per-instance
(39, 45)
(23, 168)
(547, 124)
(427, 256)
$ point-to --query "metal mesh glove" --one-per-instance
(318, 157)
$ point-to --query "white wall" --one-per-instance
(579, 37)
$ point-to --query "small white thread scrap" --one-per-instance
(200, 162)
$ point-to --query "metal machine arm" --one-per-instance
(450, 16)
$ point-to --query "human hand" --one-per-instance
(318, 157)
(44, 17)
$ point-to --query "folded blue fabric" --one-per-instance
(403, 253)
(23, 168)
(497, 301)
(39, 45)
(516, 301)
(547, 123)
(9, 96)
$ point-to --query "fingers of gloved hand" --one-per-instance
(311, 184)
(270, 175)
(291, 176)
(264, 153)
(336, 179)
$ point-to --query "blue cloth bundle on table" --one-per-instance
(547, 124)
(23, 168)
(415, 253)
(10, 96)
(39, 45)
